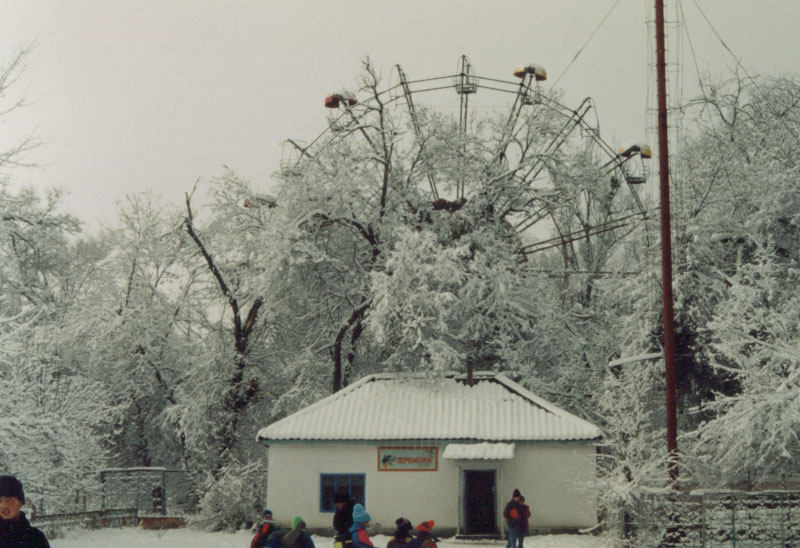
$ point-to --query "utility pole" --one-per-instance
(670, 373)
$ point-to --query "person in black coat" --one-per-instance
(15, 529)
(343, 517)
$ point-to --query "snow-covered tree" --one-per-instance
(132, 324)
(737, 251)
(400, 279)
(54, 416)
(753, 432)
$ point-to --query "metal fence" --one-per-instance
(719, 520)
(153, 491)
(54, 525)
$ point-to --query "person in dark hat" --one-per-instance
(402, 534)
(514, 520)
(15, 529)
(342, 518)
(266, 528)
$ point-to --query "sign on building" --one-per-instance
(418, 459)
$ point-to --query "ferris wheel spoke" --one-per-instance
(556, 142)
(412, 113)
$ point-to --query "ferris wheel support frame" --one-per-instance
(467, 83)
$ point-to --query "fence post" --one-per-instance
(702, 523)
(164, 492)
(138, 490)
(102, 490)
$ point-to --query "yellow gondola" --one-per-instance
(538, 71)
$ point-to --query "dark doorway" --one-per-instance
(479, 502)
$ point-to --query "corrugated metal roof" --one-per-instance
(402, 407)
(479, 451)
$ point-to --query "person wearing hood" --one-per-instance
(402, 534)
(15, 529)
(358, 531)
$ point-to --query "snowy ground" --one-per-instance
(189, 538)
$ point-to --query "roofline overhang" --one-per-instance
(419, 442)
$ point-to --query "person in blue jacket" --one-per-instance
(358, 530)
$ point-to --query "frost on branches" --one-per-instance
(738, 274)
(754, 433)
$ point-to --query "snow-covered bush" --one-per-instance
(232, 498)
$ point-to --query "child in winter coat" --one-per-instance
(424, 538)
(266, 528)
(402, 534)
(296, 537)
(358, 531)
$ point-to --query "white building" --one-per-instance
(426, 447)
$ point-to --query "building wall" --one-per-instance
(556, 483)
(550, 477)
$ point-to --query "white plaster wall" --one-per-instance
(293, 485)
(552, 478)
(555, 481)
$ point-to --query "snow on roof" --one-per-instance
(391, 406)
(479, 451)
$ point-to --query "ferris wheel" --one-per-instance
(516, 100)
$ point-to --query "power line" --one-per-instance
(691, 48)
(584, 45)
(721, 41)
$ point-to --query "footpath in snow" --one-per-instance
(190, 538)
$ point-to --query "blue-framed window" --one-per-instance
(352, 484)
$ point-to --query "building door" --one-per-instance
(479, 502)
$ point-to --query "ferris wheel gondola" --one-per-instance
(636, 171)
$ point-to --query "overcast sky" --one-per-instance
(131, 95)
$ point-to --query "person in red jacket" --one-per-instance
(358, 530)
(266, 528)
(514, 521)
(424, 538)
